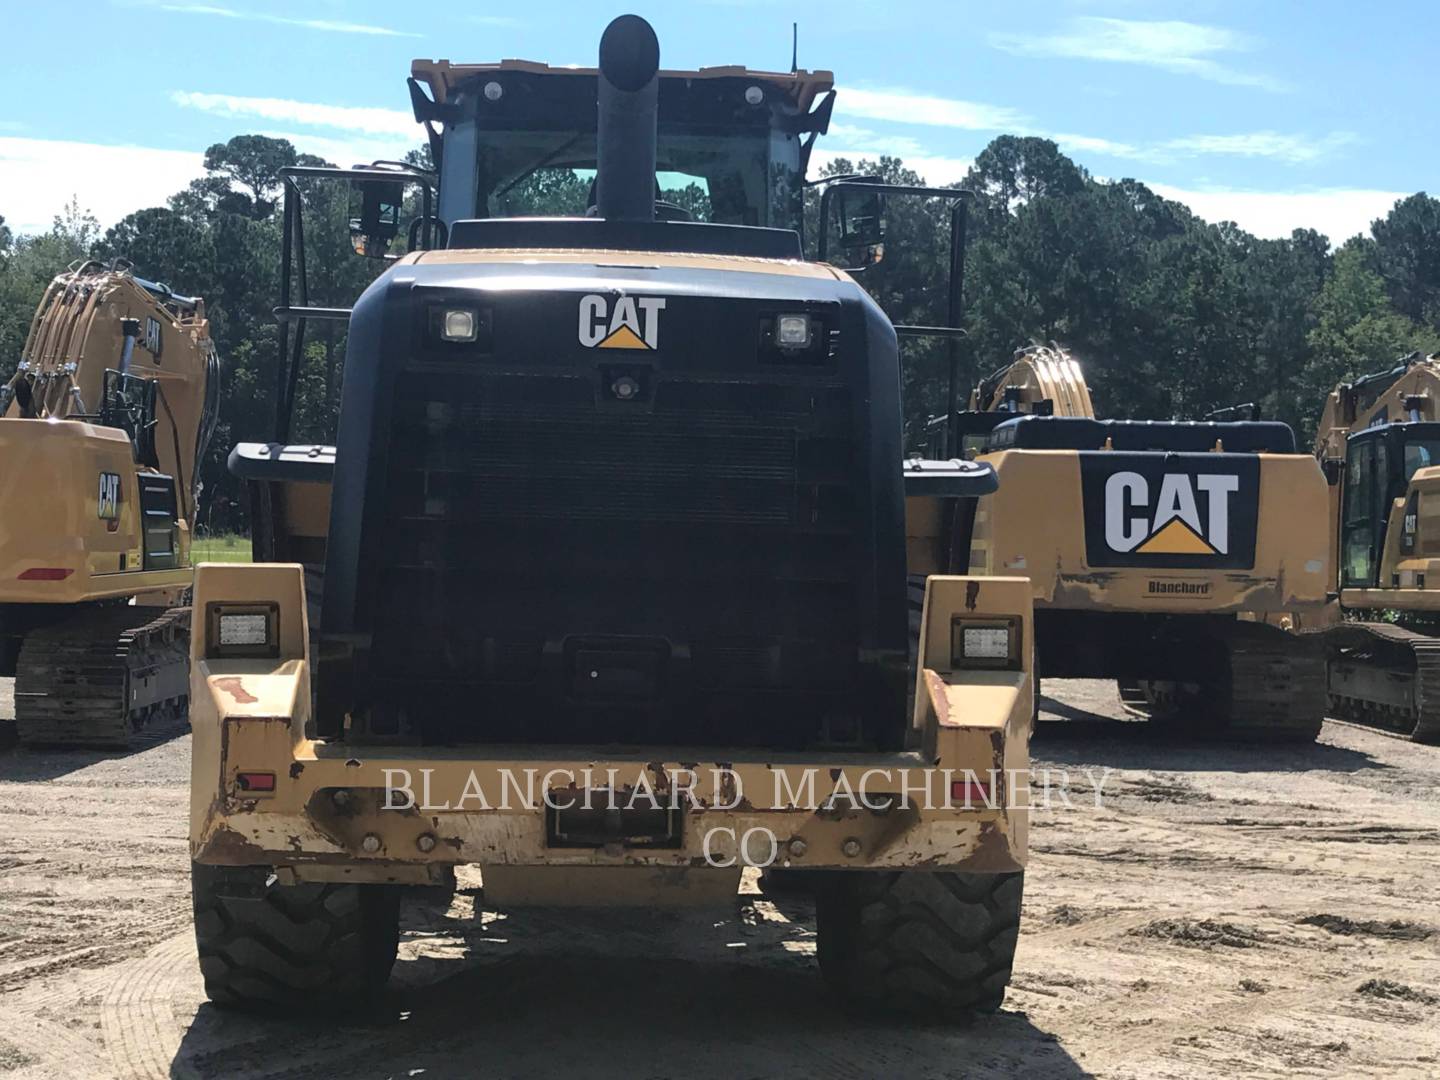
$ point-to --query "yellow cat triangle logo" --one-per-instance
(623, 338)
(1176, 538)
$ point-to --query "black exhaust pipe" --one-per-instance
(130, 331)
(629, 97)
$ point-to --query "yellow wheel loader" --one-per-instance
(101, 430)
(609, 564)
(1154, 548)
(1379, 445)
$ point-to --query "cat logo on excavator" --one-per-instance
(1182, 510)
(108, 503)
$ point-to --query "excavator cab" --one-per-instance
(1379, 466)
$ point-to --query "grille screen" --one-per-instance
(700, 540)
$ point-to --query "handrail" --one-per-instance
(952, 333)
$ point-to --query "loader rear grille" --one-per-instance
(531, 522)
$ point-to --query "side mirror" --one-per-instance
(379, 222)
(861, 225)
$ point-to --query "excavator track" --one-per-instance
(110, 677)
(1265, 685)
(1384, 675)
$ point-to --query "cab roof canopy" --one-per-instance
(444, 78)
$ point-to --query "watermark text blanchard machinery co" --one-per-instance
(878, 790)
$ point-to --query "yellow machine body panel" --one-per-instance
(1180, 560)
(1040, 378)
(71, 530)
(250, 717)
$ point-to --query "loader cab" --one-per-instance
(1379, 464)
(519, 140)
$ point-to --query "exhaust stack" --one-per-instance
(629, 95)
(130, 331)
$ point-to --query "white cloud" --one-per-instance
(38, 176)
(347, 152)
(862, 140)
(1291, 149)
(1089, 144)
(904, 106)
(328, 25)
(1184, 48)
(913, 107)
(1273, 145)
(1339, 213)
(363, 119)
(934, 170)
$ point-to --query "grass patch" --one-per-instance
(220, 549)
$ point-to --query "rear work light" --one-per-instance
(458, 324)
(462, 327)
(985, 643)
(795, 337)
(792, 331)
(46, 573)
(243, 630)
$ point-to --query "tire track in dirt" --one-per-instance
(137, 1015)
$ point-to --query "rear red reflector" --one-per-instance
(255, 781)
(46, 573)
(970, 793)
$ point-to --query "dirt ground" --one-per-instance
(1224, 912)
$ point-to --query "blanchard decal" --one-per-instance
(109, 496)
(620, 322)
(1185, 511)
(1160, 587)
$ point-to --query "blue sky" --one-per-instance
(1274, 114)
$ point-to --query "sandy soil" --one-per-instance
(1225, 912)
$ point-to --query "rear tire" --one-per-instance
(916, 942)
(308, 948)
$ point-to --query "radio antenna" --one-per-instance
(794, 47)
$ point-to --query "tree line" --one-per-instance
(1170, 316)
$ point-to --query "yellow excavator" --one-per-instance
(101, 429)
(1378, 443)
(1155, 549)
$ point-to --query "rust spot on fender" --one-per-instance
(296, 768)
(226, 847)
(729, 793)
(992, 852)
(939, 699)
(233, 686)
(972, 595)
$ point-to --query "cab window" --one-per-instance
(1359, 532)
